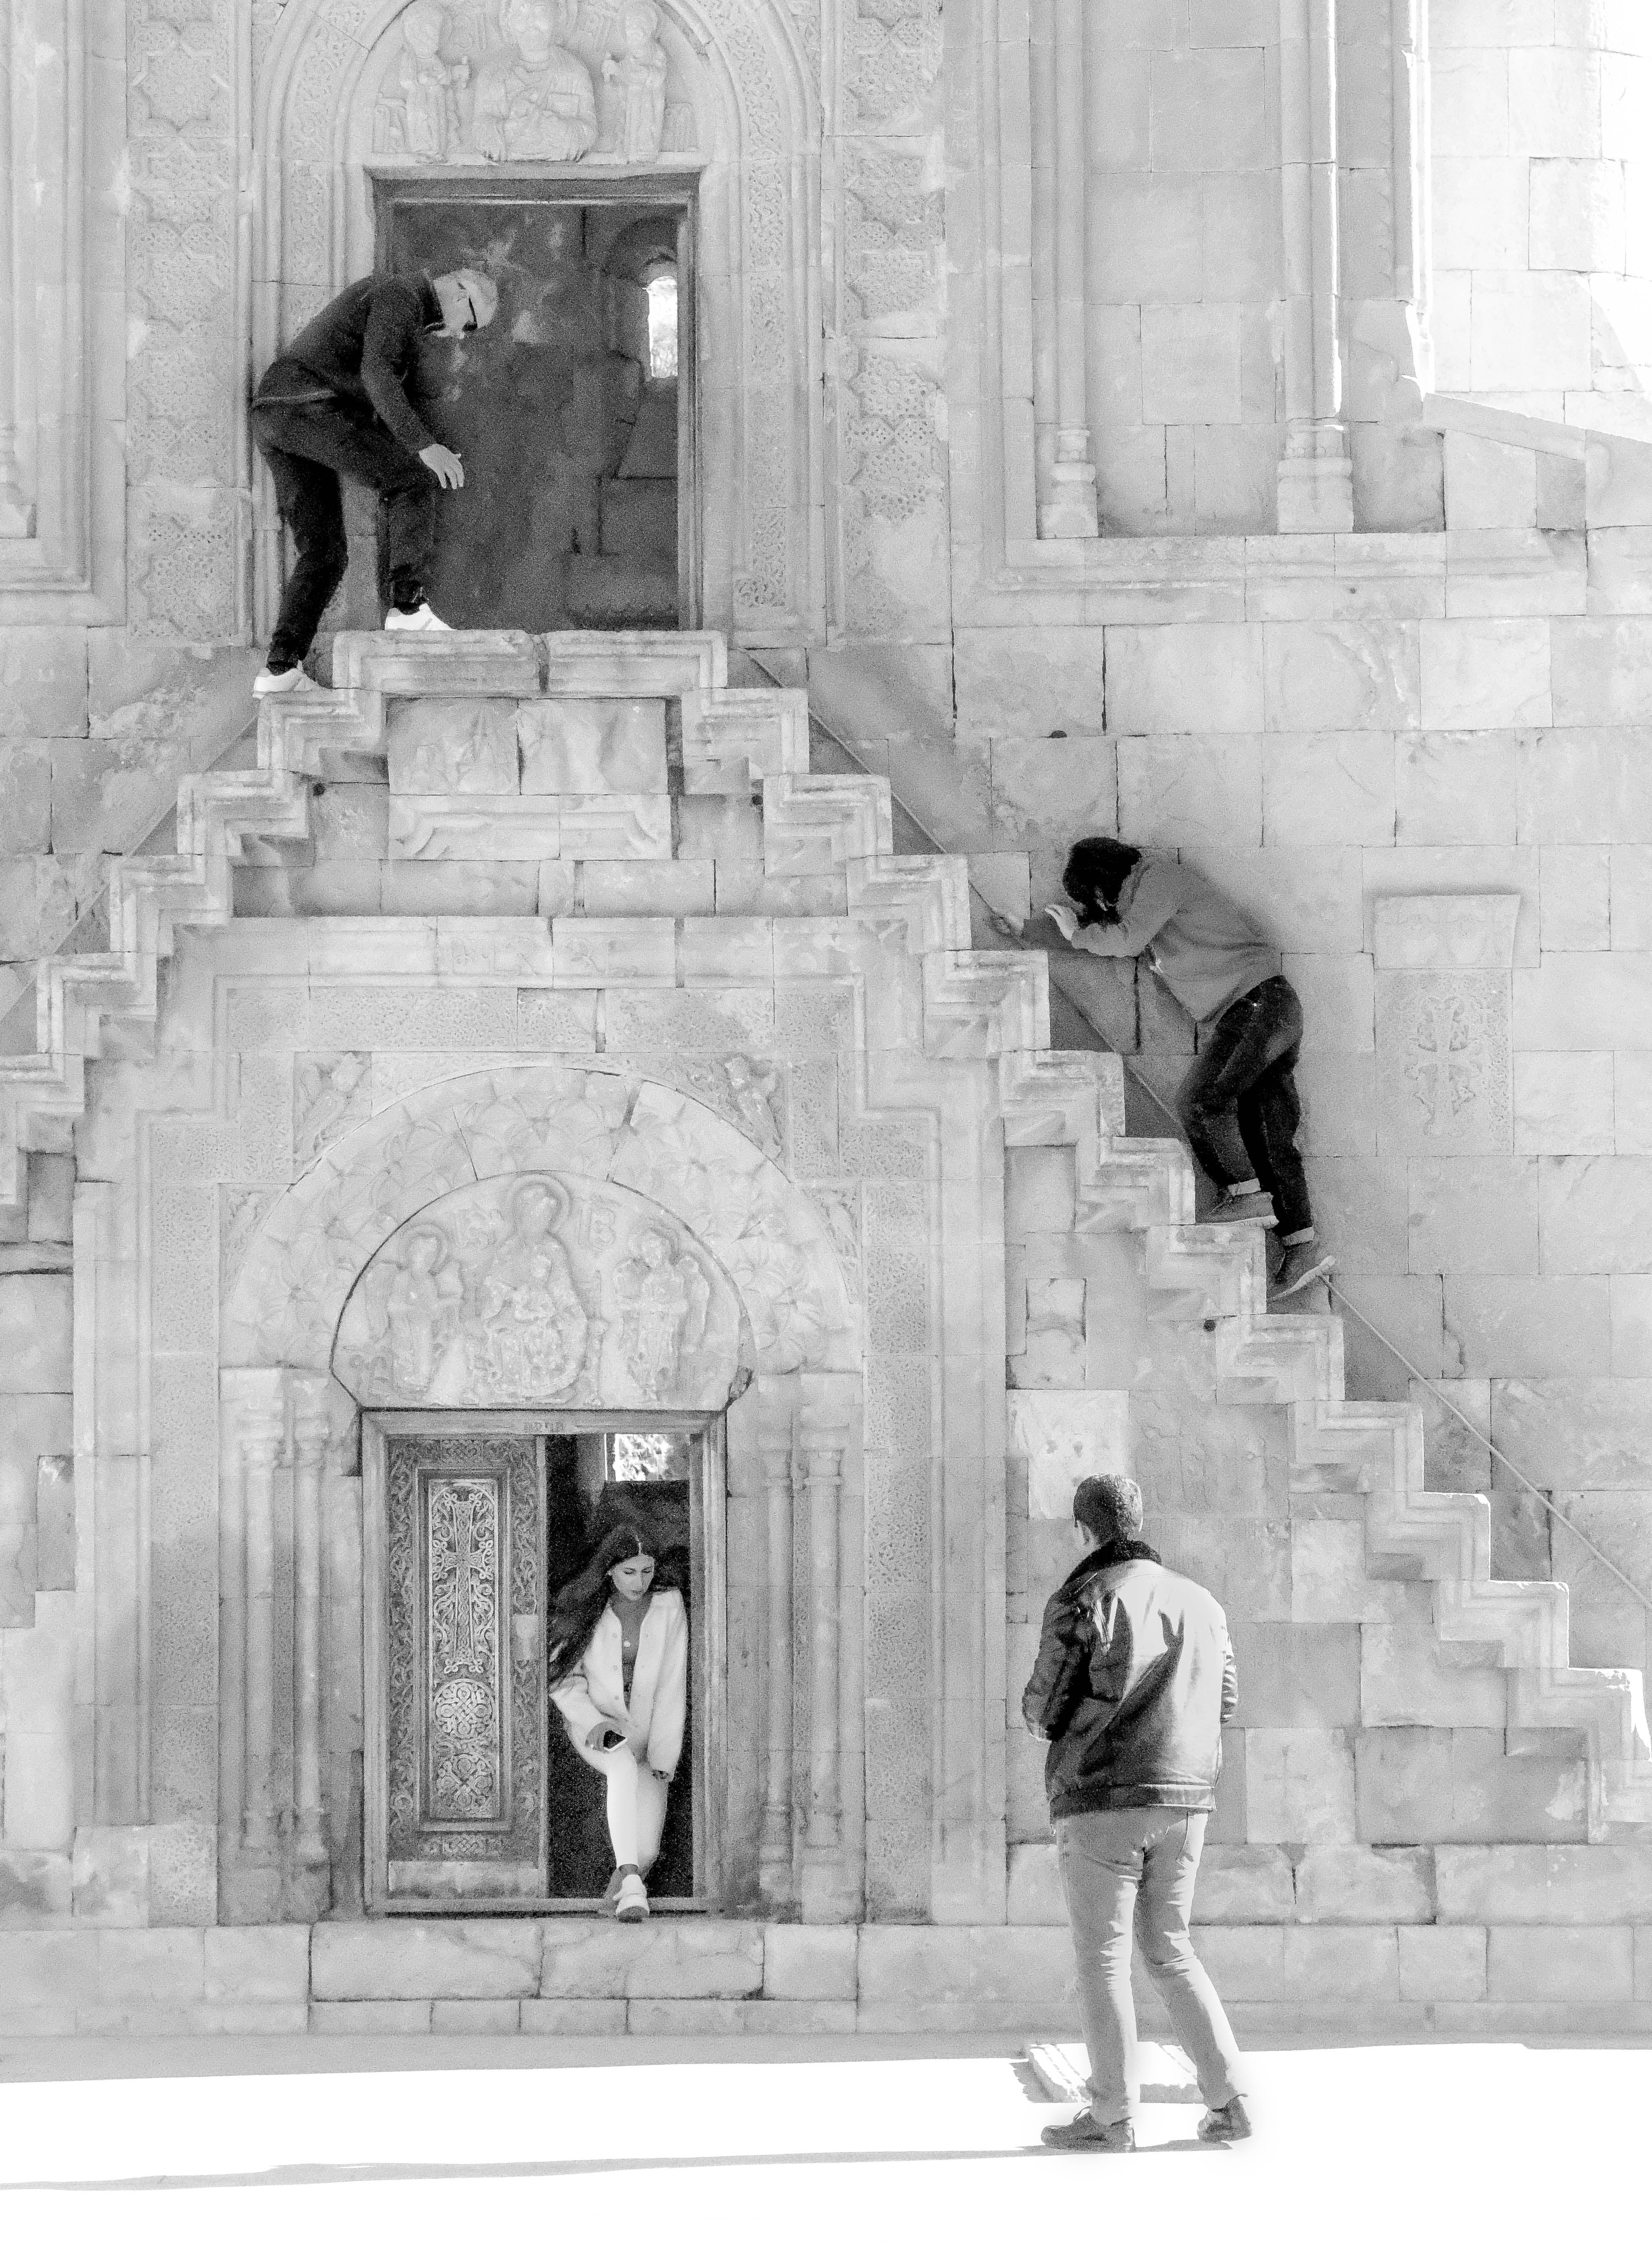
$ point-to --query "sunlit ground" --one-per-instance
(922, 2139)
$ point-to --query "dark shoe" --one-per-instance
(1228, 2123)
(1085, 2133)
(1303, 1265)
(1243, 1208)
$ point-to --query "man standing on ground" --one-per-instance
(335, 405)
(1238, 1103)
(1133, 1682)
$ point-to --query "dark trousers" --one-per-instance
(308, 448)
(1238, 1101)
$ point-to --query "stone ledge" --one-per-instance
(387, 1961)
(745, 1978)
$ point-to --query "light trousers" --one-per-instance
(1124, 1864)
(636, 1802)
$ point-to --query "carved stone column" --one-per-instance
(311, 1433)
(1413, 214)
(1067, 482)
(825, 1438)
(263, 1441)
(16, 516)
(774, 1439)
(1316, 475)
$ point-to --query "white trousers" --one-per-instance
(636, 1802)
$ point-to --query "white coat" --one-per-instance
(593, 1690)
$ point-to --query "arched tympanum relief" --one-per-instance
(539, 1290)
(342, 83)
(599, 1147)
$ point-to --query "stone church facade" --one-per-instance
(561, 1046)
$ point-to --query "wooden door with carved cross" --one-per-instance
(457, 1810)
(476, 1797)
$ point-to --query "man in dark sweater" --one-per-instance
(335, 405)
(1133, 1681)
(1238, 1101)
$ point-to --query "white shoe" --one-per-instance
(633, 1899)
(282, 681)
(421, 619)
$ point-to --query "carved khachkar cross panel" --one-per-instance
(463, 1687)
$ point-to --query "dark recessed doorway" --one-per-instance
(572, 411)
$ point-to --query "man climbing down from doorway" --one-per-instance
(333, 405)
(1238, 1101)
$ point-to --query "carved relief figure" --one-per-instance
(634, 88)
(535, 105)
(755, 1089)
(618, 1643)
(663, 1299)
(529, 1336)
(427, 114)
(421, 1308)
(330, 1093)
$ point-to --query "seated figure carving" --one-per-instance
(535, 105)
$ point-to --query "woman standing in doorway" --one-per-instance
(619, 1674)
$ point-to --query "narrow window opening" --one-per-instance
(662, 327)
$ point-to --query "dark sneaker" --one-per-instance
(1303, 1265)
(1228, 2123)
(1243, 1208)
(1085, 2133)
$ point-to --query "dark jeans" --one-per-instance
(308, 448)
(1238, 1101)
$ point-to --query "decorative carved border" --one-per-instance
(63, 533)
(758, 315)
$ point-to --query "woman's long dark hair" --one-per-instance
(578, 1606)
(1098, 867)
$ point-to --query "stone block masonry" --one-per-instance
(1358, 1951)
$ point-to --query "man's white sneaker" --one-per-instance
(421, 619)
(633, 1899)
(282, 681)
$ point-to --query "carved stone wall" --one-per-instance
(742, 119)
(889, 320)
(187, 88)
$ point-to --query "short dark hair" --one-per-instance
(1097, 866)
(1108, 1506)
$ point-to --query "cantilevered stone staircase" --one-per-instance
(757, 743)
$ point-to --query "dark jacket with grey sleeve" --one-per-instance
(360, 350)
(1133, 1681)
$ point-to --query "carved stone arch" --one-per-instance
(658, 1144)
(758, 324)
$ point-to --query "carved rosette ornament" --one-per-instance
(530, 81)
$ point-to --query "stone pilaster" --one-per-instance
(1316, 475)
(1067, 475)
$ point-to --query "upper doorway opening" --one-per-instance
(573, 412)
